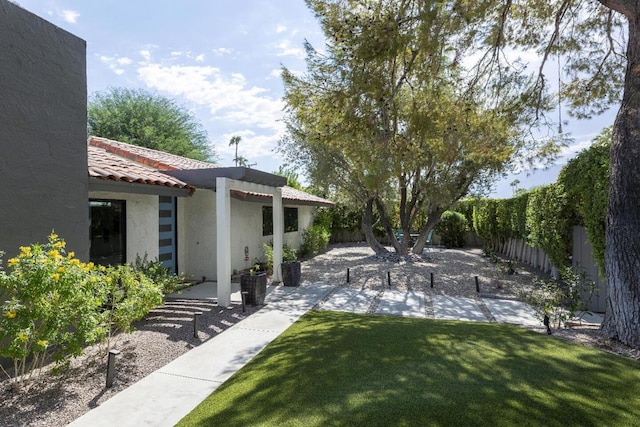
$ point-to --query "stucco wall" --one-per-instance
(197, 235)
(43, 156)
(142, 222)
(197, 249)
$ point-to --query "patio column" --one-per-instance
(223, 241)
(278, 234)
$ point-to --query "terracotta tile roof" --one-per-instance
(146, 156)
(288, 194)
(109, 166)
(118, 161)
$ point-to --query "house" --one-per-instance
(197, 218)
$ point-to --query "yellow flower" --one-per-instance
(25, 251)
(10, 314)
(90, 265)
(93, 279)
(56, 276)
(53, 253)
(71, 254)
(60, 244)
(53, 236)
(22, 336)
(74, 261)
(12, 262)
(61, 269)
(42, 343)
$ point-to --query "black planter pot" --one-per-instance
(291, 273)
(256, 287)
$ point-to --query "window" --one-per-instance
(107, 232)
(290, 220)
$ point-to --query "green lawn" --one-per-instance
(347, 369)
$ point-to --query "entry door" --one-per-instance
(167, 233)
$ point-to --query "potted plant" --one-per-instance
(255, 285)
(291, 267)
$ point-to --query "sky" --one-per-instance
(221, 60)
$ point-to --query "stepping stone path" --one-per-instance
(411, 303)
(402, 303)
(351, 300)
(515, 312)
(457, 308)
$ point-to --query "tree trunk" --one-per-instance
(622, 250)
(367, 228)
(432, 220)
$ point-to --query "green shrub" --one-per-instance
(314, 239)
(159, 274)
(51, 309)
(451, 228)
(129, 296)
(288, 254)
(549, 223)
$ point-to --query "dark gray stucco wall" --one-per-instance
(43, 155)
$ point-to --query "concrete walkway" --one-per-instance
(165, 396)
(168, 394)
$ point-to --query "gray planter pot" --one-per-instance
(256, 287)
(291, 273)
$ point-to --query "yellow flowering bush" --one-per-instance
(52, 306)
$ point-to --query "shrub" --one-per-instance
(129, 296)
(314, 239)
(159, 274)
(51, 308)
(451, 228)
(288, 254)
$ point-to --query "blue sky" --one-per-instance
(221, 60)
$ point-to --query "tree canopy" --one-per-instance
(391, 116)
(138, 117)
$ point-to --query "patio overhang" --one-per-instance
(207, 178)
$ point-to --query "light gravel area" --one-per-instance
(167, 332)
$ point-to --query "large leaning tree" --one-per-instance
(380, 52)
(391, 115)
(139, 117)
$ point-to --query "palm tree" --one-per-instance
(242, 161)
(235, 140)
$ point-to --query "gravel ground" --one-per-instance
(167, 331)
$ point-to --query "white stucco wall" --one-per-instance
(197, 240)
(196, 220)
(141, 222)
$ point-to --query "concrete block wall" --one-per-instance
(43, 156)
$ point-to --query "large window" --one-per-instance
(107, 232)
(290, 220)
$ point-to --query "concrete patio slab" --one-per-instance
(350, 300)
(402, 303)
(457, 308)
(514, 312)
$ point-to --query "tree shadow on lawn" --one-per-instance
(347, 369)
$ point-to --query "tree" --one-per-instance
(392, 118)
(235, 140)
(138, 117)
(293, 179)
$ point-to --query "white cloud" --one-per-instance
(116, 63)
(145, 54)
(176, 53)
(276, 72)
(281, 29)
(285, 49)
(70, 16)
(222, 51)
(229, 98)
(200, 58)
